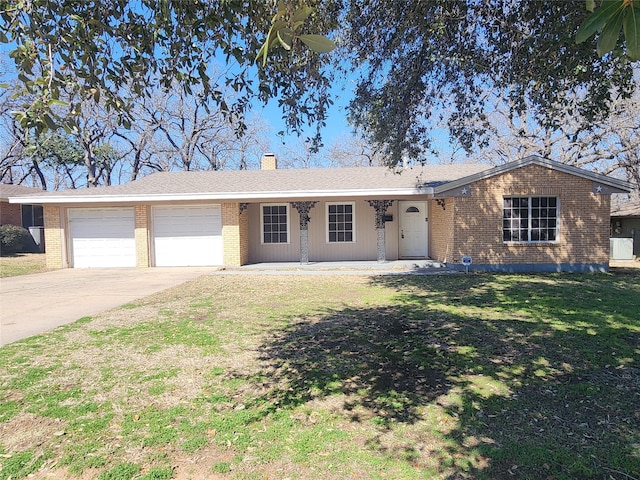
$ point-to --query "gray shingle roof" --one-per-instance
(9, 190)
(288, 182)
(628, 209)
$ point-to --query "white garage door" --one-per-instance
(102, 237)
(187, 235)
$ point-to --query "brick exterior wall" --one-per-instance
(232, 236)
(244, 237)
(441, 231)
(583, 220)
(54, 234)
(10, 214)
(142, 235)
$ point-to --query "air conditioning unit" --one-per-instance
(621, 248)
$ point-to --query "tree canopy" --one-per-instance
(415, 62)
(421, 61)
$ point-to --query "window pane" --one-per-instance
(274, 224)
(27, 218)
(38, 216)
(340, 223)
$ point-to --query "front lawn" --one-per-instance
(22, 264)
(336, 377)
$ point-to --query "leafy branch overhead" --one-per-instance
(608, 20)
(284, 31)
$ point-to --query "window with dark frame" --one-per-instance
(32, 216)
(340, 223)
(530, 219)
(275, 224)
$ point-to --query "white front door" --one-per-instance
(413, 229)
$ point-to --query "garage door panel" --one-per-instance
(102, 237)
(188, 235)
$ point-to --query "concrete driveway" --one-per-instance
(33, 304)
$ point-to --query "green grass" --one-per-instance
(458, 376)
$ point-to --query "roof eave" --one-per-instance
(227, 196)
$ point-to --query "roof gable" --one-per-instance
(614, 185)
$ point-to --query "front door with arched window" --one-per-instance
(413, 229)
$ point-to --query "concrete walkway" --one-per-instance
(33, 304)
(394, 267)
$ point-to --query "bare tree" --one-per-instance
(300, 154)
(176, 131)
(354, 151)
(610, 146)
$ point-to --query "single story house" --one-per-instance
(625, 230)
(533, 214)
(29, 216)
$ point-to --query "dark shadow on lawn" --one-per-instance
(539, 372)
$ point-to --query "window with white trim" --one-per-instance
(340, 222)
(530, 219)
(275, 222)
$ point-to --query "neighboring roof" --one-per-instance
(266, 184)
(9, 190)
(614, 183)
(627, 209)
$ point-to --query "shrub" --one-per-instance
(13, 239)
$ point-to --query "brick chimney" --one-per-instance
(268, 162)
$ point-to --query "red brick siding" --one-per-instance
(10, 214)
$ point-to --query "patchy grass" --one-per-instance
(22, 264)
(253, 377)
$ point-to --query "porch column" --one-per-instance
(303, 211)
(380, 206)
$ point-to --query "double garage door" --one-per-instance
(180, 236)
